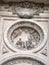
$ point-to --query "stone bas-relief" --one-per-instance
(25, 38)
(24, 35)
(23, 61)
(29, 9)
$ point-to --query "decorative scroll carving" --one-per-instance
(27, 9)
(28, 4)
(23, 61)
(24, 9)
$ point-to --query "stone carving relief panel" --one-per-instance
(25, 36)
(29, 8)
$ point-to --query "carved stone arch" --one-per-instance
(22, 59)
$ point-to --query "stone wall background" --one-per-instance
(7, 17)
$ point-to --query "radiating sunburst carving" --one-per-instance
(25, 38)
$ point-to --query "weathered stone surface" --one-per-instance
(24, 35)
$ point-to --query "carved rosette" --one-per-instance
(25, 36)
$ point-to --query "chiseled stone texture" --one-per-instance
(15, 29)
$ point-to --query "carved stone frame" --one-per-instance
(35, 50)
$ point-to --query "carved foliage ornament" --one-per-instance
(28, 9)
(25, 9)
